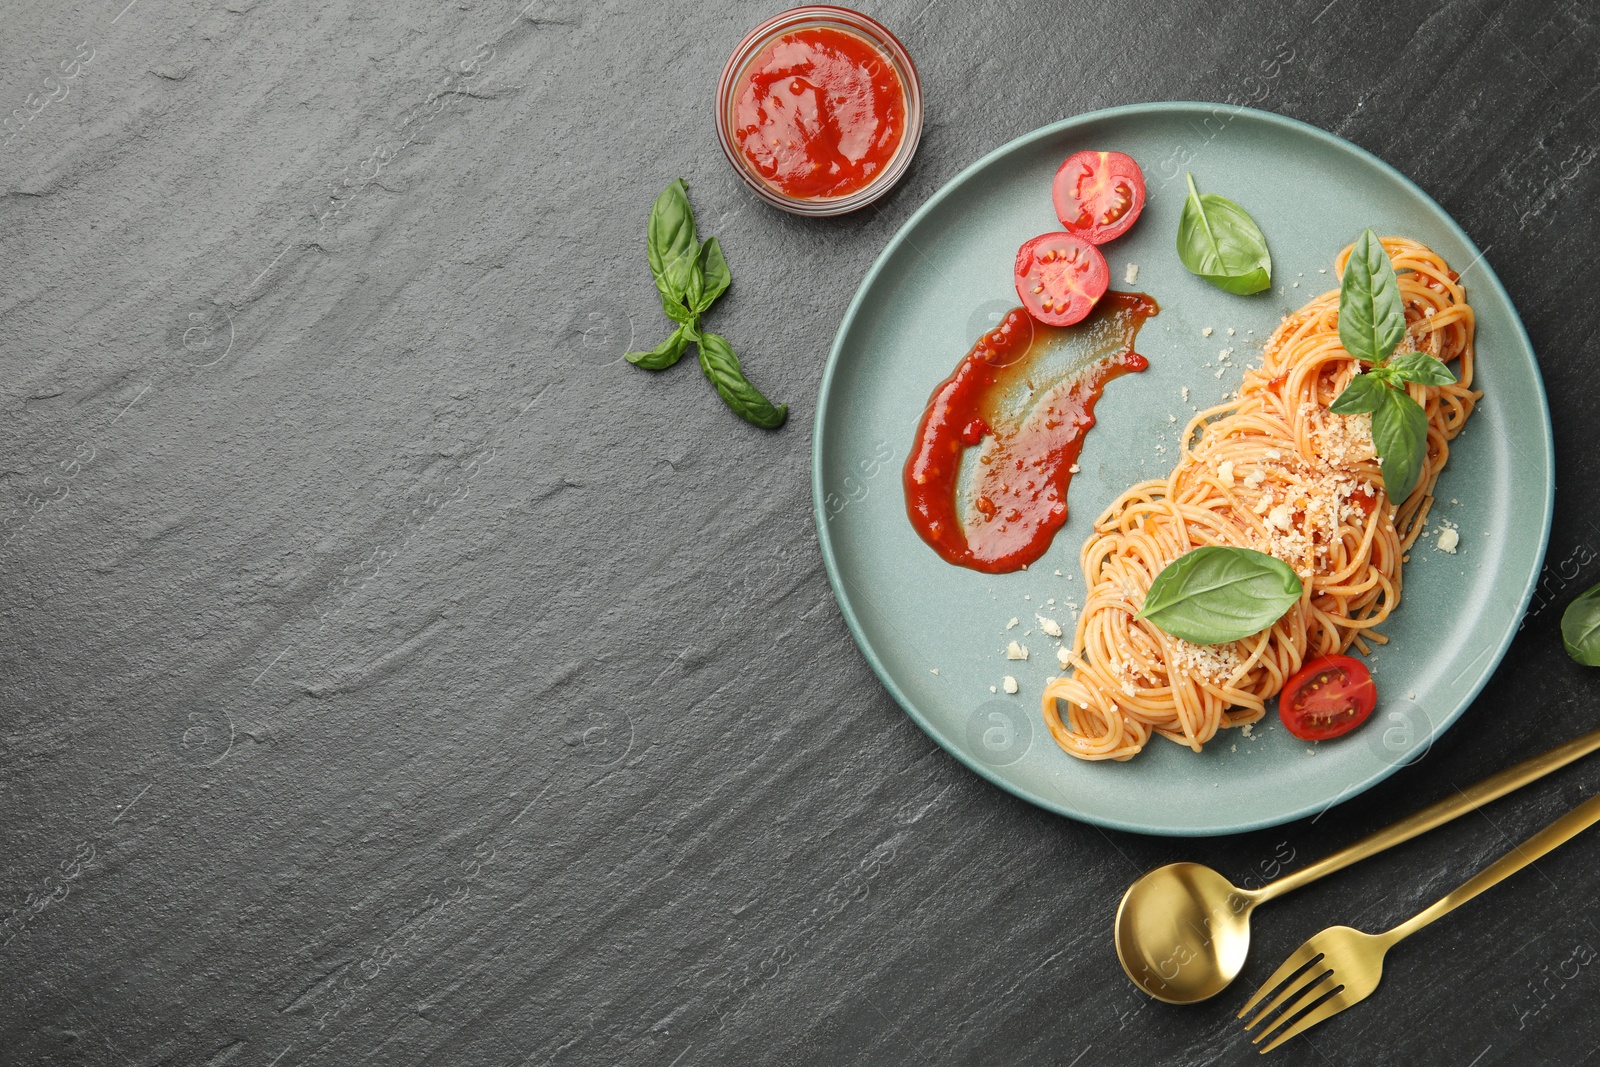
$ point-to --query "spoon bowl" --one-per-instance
(1183, 931)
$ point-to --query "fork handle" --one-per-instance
(1470, 799)
(1550, 838)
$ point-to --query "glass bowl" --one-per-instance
(860, 26)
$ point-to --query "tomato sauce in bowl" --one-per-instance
(819, 110)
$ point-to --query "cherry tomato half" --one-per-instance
(1331, 695)
(1059, 277)
(1098, 195)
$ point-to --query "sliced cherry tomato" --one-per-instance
(1098, 195)
(1059, 277)
(1331, 695)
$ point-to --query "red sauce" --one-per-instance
(986, 482)
(819, 112)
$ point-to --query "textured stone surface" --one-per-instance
(390, 674)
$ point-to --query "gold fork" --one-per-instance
(1341, 966)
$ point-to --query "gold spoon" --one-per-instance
(1183, 930)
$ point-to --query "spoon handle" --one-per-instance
(1437, 814)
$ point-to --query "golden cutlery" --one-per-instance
(1182, 931)
(1341, 966)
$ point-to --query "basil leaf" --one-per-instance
(1364, 393)
(1218, 593)
(1372, 317)
(1418, 367)
(720, 365)
(1400, 435)
(1580, 627)
(714, 275)
(671, 242)
(683, 278)
(1219, 241)
(664, 354)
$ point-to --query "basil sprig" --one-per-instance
(1218, 593)
(1219, 241)
(1580, 628)
(691, 275)
(1372, 322)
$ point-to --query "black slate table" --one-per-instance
(390, 674)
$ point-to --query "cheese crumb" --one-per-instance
(1010, 684)
(1273, 453)
(992, 689)
(1016, 651)
(1186, 394)
(1073, 469)
(1448, 539)
(1012, 625)
(1255, 478)
(1230, 332)
(1058, 574)
(1225, 471)
(1206, 332)
(1049, 626)
(1131, 275)
(1064, 654)
(1246, 728)
(933, 670)
(1281, 516)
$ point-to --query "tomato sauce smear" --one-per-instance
(986, 482)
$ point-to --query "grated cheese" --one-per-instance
(1213, 663)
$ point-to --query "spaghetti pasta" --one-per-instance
(1272, 470)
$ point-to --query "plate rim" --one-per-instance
(839, 585)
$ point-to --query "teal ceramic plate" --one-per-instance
(936, 634)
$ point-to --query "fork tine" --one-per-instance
(1298, 960)
(1332, 1006)
(1293, 999)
